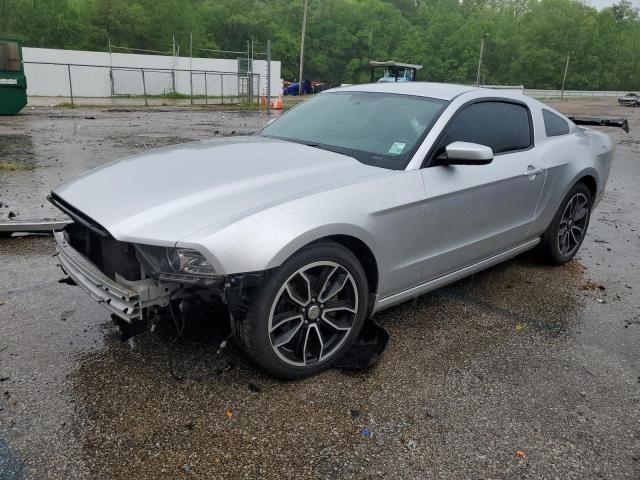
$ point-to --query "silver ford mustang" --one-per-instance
(356, 200)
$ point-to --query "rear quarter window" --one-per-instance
(554, 125)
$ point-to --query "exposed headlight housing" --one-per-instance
(183, 265)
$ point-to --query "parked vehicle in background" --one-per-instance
(629, 100)
(393, 72)
(291, 88)
(310, 87)
(356, 200)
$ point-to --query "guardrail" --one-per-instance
(537, 93)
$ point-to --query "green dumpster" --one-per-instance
(13, 83)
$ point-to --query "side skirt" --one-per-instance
(431, 285)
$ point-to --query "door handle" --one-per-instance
(532, 171)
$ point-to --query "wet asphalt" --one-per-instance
(521, 371)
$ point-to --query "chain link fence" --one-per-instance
(93, 84)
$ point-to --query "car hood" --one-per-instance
(161, 196)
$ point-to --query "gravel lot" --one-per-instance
(522, 371)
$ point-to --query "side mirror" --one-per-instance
(464, 153)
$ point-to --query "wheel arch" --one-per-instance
(364, 255)
(363, 250)
(591, 183)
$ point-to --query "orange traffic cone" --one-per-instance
(277, 105)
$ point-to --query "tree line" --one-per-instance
(526, 41)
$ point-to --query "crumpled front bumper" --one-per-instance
(119, 299)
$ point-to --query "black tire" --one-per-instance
(257, 338)
(553, 250)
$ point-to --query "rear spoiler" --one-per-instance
(602, 122)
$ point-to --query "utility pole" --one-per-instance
(484, 35)
(564, 77)
(304, 29)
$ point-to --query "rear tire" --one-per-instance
(565, 235)
(307, 314)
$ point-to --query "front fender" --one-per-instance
(251, 246)
(319, 233)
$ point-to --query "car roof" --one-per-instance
(442, 91)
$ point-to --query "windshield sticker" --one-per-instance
(396, 148)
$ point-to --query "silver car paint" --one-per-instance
(250, 204)
(164, 195)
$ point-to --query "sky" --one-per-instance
(600, 4)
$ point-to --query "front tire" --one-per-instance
(565, 235)
(307, 314)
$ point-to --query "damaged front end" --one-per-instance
(133, 281)
(140, 284)
(129, 279)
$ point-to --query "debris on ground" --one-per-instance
(519, 454)
(519, 327)
(411, 444)
(355, 413)
(367, 348)
(365, 432)
(254, 388)
(229, 413)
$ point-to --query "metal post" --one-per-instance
(221, 88)
(257, 77)
(173, 65)
(564, 78)
(70, 83)
(251, 76)
(191, 66)
(111, 68)
(268, 77)
(144, 89)
(248, 74)
(480, 58)
(206, 95)
(304, 29)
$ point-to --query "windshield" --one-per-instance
(378, 129)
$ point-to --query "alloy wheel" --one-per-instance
(573, 224)
(313, 313)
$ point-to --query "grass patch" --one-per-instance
(13, 167)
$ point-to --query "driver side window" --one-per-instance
(503, 126)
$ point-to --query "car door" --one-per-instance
(476, 211)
